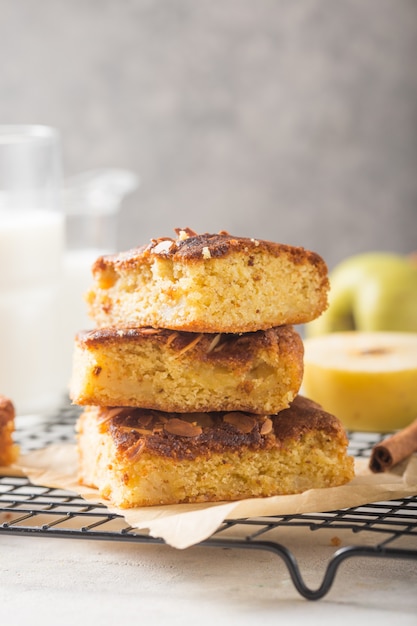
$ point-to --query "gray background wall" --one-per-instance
(290, 120)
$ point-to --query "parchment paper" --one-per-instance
(182, 526)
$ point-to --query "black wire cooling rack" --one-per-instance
(389, 528)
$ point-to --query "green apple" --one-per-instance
(372, 291)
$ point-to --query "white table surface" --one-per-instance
(47, 580)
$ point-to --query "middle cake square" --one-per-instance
(174, 371)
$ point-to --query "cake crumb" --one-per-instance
(335, 541)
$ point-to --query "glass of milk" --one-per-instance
(32, 239)
(91, 202)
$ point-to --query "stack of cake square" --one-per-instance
(190, 378)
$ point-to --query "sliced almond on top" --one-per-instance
(105, 414)
(242, 421)
(163, 246)
(145, 420)
(135, 450)
(200, 419)
(266, 426)
(179, 427)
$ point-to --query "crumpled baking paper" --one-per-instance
(182, 526)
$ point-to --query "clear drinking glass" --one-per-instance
(91, 202)
(32, 239)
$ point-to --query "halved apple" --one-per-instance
(368, 380)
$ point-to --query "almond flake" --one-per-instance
(199, 419)
(141, 431)
(145, 420)
(266, 426)
(135, 450)
(185, 233)
(163, 246)
(178, 427)
(172, 336)
(107, 414)
(191, 345)
(214, 342)
(243, 422)
(148, 330)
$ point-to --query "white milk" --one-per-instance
(31, 254)
(77, 281)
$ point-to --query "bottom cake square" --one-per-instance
(140, 457)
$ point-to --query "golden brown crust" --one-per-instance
(136, 430)
(196, 248)
(230, 347)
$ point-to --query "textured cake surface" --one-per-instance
(8, 449)
(210, 283)
(259, 372)
(139, 457)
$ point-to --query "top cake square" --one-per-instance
(208, 283)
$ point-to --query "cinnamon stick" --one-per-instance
(394, 449)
